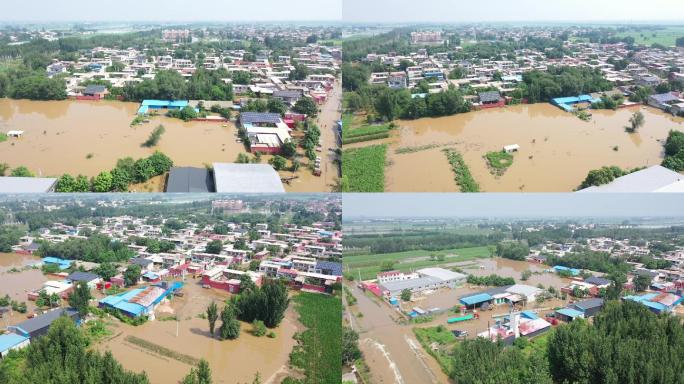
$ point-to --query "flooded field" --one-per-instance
(18, 284)
(88, 137)
(557, 149)
(231, 361)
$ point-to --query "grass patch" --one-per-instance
(318, 352)
(462, 174)
(366, 130)
(498, 162)
(364, 133)
(162, 351)
(418, 148)
(369, 265)
(358, 139)
(363, 169)
(443, 340)
(3, 137)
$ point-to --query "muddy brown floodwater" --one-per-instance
(231, 361)
(557, 149)
(18, 284)
(88, 137)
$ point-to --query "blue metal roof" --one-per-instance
(151, 275)
(573, 271)
(10, 340)
(63, 264)
(476, 299)
(570, 312)
(165, 103)
(121, 302)
(530, 315)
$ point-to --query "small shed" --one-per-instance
(511, 148)
(15, 133)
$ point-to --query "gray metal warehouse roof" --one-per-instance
(255, 178)
(190, 179)
(647, 180)
(26, 184)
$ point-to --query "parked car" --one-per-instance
(459, 333)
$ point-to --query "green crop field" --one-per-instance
(370, 265)
(319, 351)
(364, 169)
(665, 36)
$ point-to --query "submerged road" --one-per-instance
(390, 349)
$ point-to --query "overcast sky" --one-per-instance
(396, 11)
(171, 10)
(512, 204)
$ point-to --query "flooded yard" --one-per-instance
(557, 149)
(231, 361)
(18, 284)
(88, 137)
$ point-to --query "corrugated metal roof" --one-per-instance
(10, 184)
(259, 117)
(256, 178)
(647, 180)
(570, 312)
(10, 340)
(190, 180)
(476, 299)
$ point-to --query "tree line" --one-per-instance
(126, 172)
(428, 241)
(97, 248)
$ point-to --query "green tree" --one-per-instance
(212, 316)
(406, 294)
(276, 106)
(106, 271)
(21, 171)
(230, 326)
(350, 346)
(66, 183)
(160, 163)
(289, 149)
(278, 162)
(132, 274)
(258, 328)
(266, 303)
(81, 184)
(199, 375)
(102, 182)
(641, 283)
(306, 106)
(636, 121)
(215, 247)
(80, 298)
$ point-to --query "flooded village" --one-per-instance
(153, 269)
(411, 309)
(502, 109)
(178, 91)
